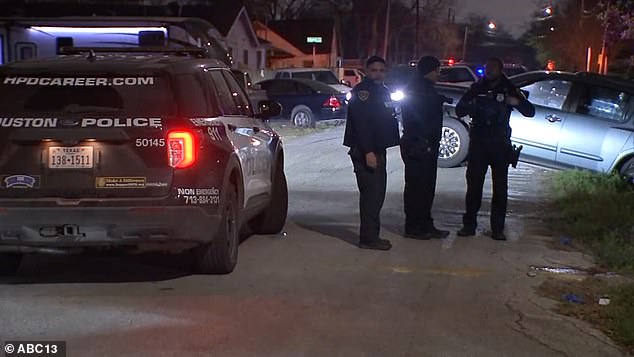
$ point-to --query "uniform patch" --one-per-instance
(363, 95)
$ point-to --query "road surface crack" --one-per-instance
(519, 327)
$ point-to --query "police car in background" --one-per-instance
(139, 149)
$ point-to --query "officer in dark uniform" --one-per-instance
(422, 127)
(489, 103)
(371, 128)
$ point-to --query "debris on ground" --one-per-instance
(572, 298)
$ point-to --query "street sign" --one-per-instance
(313, 39)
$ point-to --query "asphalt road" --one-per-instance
(311, 292)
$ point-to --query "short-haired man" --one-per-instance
(371, 128)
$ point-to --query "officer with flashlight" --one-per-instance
(489, 103)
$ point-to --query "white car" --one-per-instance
(323, 75)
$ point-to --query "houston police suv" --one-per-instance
(150, 150)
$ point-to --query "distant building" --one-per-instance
(235, 31)
(289, 43)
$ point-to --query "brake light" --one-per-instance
(181, 149)
(451, 61)
(333, 102)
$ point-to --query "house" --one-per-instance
(289, 43)
(235, 32)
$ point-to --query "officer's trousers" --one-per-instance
(482, 154)
(372, 185)
(420, 188)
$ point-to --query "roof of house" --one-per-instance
(296, 32)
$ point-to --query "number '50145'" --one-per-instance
(150, 142)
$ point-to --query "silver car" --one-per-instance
(582, 120)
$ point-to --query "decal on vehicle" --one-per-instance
(19, 181)
(121, 122)
(257, 164)
(199, 196)
(156, 184)
(154, 142)
(28, 122)
(214, 133)
(79, 81)
(120, 182)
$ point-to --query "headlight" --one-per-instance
(397, 96)
(348, 96)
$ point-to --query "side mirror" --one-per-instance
(269, 109)
(525, 92)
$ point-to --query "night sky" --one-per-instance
(514, 15)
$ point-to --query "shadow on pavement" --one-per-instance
(101, 268)
(327, 226)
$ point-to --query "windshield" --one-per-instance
(71, 95)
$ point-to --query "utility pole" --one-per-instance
(464, 42)
(387, 30)
(417, 29)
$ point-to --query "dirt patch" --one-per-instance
(581, 299)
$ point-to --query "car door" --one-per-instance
(258, 164)
(540, 135)
(595, 134)
(239, 129)
(285, 93)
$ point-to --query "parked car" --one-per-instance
(323, 75)
(582, 120)
(352, 76)
(305, 101)
(457, 74)
(134, 150)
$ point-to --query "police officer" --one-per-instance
(489, 103)
(371, 128)
(422, 126)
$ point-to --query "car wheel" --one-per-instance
(9, 263)
(221, 255)
(302, 116)
(627, 170)
(454, 144)
(273, 219)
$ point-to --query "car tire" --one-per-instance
(454, 143)
(302, 116)
(627, 170)
(221, 255)
(9, 263)
(273, 219)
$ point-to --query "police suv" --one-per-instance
(140, 149)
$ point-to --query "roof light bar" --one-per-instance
(103, 30)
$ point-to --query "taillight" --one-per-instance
(333, 102)
(181, 149)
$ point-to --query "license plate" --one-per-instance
(74, 157)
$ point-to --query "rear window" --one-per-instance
(131, 95)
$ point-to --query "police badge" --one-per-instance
(363, 95)
(500, 97)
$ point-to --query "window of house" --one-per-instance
(259, 59)
(246, 57)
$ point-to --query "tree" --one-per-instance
(266, 10)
